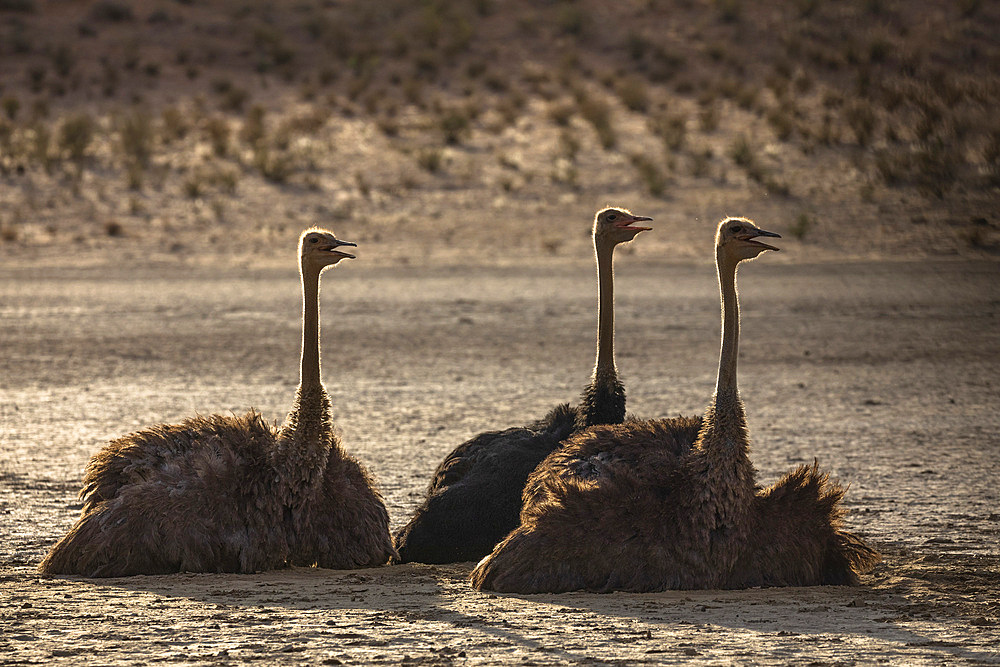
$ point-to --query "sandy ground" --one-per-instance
(887, 372)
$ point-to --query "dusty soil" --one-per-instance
(884, 371)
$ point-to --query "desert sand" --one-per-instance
(886, 372)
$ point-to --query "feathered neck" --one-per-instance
(306, 435)
(604, 399)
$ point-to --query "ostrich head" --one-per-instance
(614, 225)
(735, 240)
(318, 249)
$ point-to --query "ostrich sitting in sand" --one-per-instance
(630, 508)
(474, 497)
(233, 493)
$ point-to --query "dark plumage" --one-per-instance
(672, 504)
(475, 494)
(796, 539)
(233, 493)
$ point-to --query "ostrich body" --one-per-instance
(474, 497)
(233, 493)
(633, 508)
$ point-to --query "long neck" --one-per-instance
(723, 448)
(309, 373)
(306, 436)
(605, 365)
(726, 384)
(604, 399)
(724, 431)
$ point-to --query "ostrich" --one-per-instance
(475, 494)
(233, 493)
(630, 508)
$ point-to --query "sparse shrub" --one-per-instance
(226, 180)
(729, 10)
(36, 78)
(11, 105)
(565, 173)
(569, 145)
(637, 45)
(741, 151)
(158, 16)
(8, 233)
(937, 164)
(75, 135)
(700, 162)
(41, 145)
(708, 117)
(109, 79)
(771, 183)
(803, 83)
(364, 187)
(746, 97)
(175, 125)
(111, 12)
(633, 93)
(496, 82)
(892, 165)
(114, 229)
(509, 106)
(969, 8)
(388, 125)
(136, 134)
(664, 63)
(454, 125)
(133, 175)
(271, 48)
(861, 117)
(671, 128)
(560, 113)
(275, 166)
(991, 155)
(234, 99)
(782, 121)
(192, 187)
(23, 6)
(430, 160)
(218, 131)
(652, 176)
(598, 114)
(571, 19)
(806, 7)
(39, 109)
(801, 226)
(63, 60)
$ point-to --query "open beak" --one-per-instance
(761, 232)
(332, 249)
(627, 223)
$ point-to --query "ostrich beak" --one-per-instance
(332, 248)
(626, 223)
(761, 232)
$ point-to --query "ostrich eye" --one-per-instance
(737, 229)
(612, 217)
(314, 240)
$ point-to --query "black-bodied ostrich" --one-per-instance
(630, 508)
(475, 494)
(233, 493)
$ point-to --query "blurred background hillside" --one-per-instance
(472, 131)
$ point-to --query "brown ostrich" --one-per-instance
(475, 494)
(631, 508)
(233, 493)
